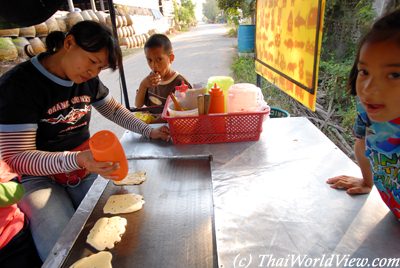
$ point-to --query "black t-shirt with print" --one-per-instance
(157, 96)
(61, 112)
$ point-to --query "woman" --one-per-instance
(45, 106)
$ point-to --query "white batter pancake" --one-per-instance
(98, 260)
(106, 232)
(123, 203)
(132, 179)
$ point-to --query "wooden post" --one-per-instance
(93, 5)
(120, 64)
(71, 6)
(102, 5)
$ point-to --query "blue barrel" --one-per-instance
(246, 35)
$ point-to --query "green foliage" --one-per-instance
(345, 23)
(365, 13)
(230, 4)
(238, 9)
(185, 13)
(232, 32)
(233, 16)
(244, 70)
(211, 10)
(348, 116)
(333, 76)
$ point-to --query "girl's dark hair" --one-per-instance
(159, 40)
(90, 36)
(385, 28)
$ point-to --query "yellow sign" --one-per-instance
(288, 45)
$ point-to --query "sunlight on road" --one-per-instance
(201, 31)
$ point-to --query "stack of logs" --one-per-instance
(21, 43)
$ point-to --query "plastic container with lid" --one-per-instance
(180, 91)
(189, 109)
(187, 97)
(224, 82)
(173, 113)
(245, 97)
(217, 102)
(106, 147)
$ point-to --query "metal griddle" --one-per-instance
(175, 228)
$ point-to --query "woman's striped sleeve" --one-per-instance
(18, 149)
(117, 113)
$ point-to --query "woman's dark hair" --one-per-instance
(90, 36)
(159, 40)
(385, 28)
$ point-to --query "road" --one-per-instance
(200, 53)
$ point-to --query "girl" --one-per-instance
(375, 79)
(45, 106)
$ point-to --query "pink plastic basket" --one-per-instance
(215, 128)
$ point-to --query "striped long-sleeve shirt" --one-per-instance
(18, 148)
(43, 118)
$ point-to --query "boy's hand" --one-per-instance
(351, 184)
(160, 133)
(152, 80)
(85, 160)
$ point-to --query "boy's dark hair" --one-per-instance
(385, 28)
(90, 36)
(159, 40)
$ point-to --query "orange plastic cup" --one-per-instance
(106, 147)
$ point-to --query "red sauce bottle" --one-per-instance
(217, 102)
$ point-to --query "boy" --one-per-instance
(155, 88)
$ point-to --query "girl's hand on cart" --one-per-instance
(85, 160)
(160, 133)
(353, 185)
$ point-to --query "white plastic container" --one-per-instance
(245, 97)
(188, 99)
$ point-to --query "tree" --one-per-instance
(211, 10)
(232, 7)
(185, 13)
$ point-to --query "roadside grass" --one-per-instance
(232, 32)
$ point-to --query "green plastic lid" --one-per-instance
(224, 82)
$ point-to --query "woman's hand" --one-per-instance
(85, 160)
(160, 133)
(353, 185)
